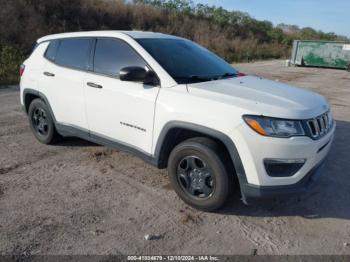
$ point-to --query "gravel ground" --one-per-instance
(81, 198)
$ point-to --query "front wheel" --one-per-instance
(348, 68)
(198, 174)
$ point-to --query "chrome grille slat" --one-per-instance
(324, 123)
(319, 126)
(327, 121)
(322, 126)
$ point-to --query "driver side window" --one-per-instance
(111, 55)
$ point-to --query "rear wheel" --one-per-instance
(41, 122)
(348, 68)
(198, 174)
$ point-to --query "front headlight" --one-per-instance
(269, 126)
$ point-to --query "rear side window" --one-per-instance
(74, 53)
(52, 50)
(111, 55)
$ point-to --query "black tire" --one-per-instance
(205, 153)
(41, 122)
(348, 68)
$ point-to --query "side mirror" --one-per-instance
(151, 79)
(138, 74)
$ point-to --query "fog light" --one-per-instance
(283, 167)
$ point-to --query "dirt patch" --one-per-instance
(101, 154)
(190, 217)
(2, 190)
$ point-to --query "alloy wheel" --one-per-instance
(40, 122)
(195, 177)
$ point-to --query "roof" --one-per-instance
(133, 34)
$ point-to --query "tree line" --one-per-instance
(234, 35)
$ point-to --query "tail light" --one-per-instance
(21, 70)
(240, 74)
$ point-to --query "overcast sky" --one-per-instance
(325, 15)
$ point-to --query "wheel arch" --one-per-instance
(30, 94)
(175, 132)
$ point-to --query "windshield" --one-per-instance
(186, 61)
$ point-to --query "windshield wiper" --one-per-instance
(194, 78)
(228, 75)
(197, 78)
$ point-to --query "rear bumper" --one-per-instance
(251, 192)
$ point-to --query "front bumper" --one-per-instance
(255, 182)
(254, 192)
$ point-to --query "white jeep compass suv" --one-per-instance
(177, 106)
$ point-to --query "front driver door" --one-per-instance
(119, 111)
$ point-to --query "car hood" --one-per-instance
(263, 97)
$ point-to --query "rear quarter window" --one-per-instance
(52, 50)
(73, 53)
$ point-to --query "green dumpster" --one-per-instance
(321, 53)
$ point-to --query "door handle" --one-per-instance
(94, 85)
(49, 74)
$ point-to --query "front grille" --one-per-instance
(320, 125)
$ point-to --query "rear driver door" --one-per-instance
(63, 80)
